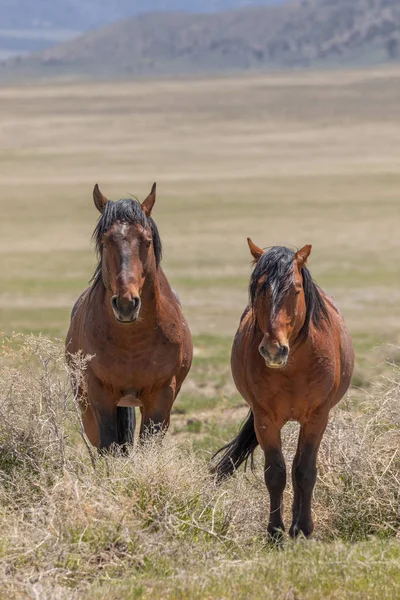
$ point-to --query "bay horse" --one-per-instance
(292, 360)
(131, 322)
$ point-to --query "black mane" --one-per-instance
(277, 269)
(126, 211)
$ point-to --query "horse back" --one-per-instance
(77, 303)
(342, 347)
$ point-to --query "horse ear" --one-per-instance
(255, 250)
(302, 255)
(147, 205)
(100, 201)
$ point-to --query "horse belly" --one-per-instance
(130, 401)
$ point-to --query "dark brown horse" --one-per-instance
(130, 320)
(292, 360)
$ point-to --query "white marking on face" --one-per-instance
(124, 228)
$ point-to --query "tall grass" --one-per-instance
(73, 527)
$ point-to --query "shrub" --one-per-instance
(68, 519)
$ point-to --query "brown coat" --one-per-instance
(130, 321)
(292, 360)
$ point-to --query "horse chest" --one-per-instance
(290, 394)
(286, 399)
(138, 363)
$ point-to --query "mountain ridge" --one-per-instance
(296, 34)
(83, 15)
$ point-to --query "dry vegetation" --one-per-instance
(287, 160)
(155, 524)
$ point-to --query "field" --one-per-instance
(285, 159)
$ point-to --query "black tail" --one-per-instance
(126, 421)
(238, 451)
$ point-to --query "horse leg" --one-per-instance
(126, 422)
(304, 474)
(103, 405)
(156, 412)
(90, 425)
(88, 418)
(269, 437)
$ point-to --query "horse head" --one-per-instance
(129, 249)
(278, 297)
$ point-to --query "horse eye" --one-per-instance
(148, 244)
(298, 292)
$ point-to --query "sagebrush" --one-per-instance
(72, 522)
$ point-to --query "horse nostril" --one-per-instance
(114, 302)
(284, 351)
(125, 307)
(263, 351)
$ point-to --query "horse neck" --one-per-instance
(151, 298)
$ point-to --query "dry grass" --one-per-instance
(287, 160)
(70, 530)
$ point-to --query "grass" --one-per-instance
(156, 524)
(289, 160)
(311, 573)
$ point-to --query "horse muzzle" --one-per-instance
(275, 356)
(126, 310)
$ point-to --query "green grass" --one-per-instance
(367, 570)
(52, 322)
(285, 161)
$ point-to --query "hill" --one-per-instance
(87, 14)
(295, 34)
(27, 27)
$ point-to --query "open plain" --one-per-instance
(287, 159)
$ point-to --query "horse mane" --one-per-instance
(126, 211)
(276, 268)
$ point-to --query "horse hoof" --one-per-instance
(299, 529)
(276, 534)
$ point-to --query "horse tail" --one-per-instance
(126, 421)
(238, 451)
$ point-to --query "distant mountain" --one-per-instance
(34, 25)
(294, 34)
(82, 15)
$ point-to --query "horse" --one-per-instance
(292, 360)
(130, 322)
